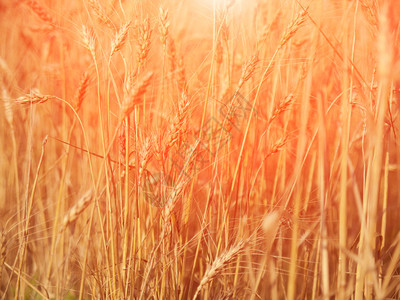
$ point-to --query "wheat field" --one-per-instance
(199, 149)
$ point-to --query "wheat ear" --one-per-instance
(293, 27)
(134, 95)
(144, 41)
(218, 265)
(41, 12)
(100, 13)
(163, 27)
(89, 40)
(34, 97)
(248, 70)
(278, 146)
(282, 107)
(81, 92)
(120, 38)
(176, 130)
(76, 210)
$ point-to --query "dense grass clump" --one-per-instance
(199, 149)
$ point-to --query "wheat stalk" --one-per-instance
(370, 11)
(8, 111)
(3, 251)
(172, 54)
(5, 73)
(278, 146)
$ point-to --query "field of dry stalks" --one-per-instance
(199, 149)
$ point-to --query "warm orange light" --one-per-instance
(199, 149)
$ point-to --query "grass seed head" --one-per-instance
(100, 13)
(89, 40)
(73, 214)
(282, 107)
(81, 92)
(144, 40)
(120, 38)
(164, 26)
(134, 96)
(293, 27)
(41, 12)
(248, 70)
(34, 97)
(219, 264)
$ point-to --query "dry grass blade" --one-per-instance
(5, 97)
(233, 151)
(5, 73)
(145, 156)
